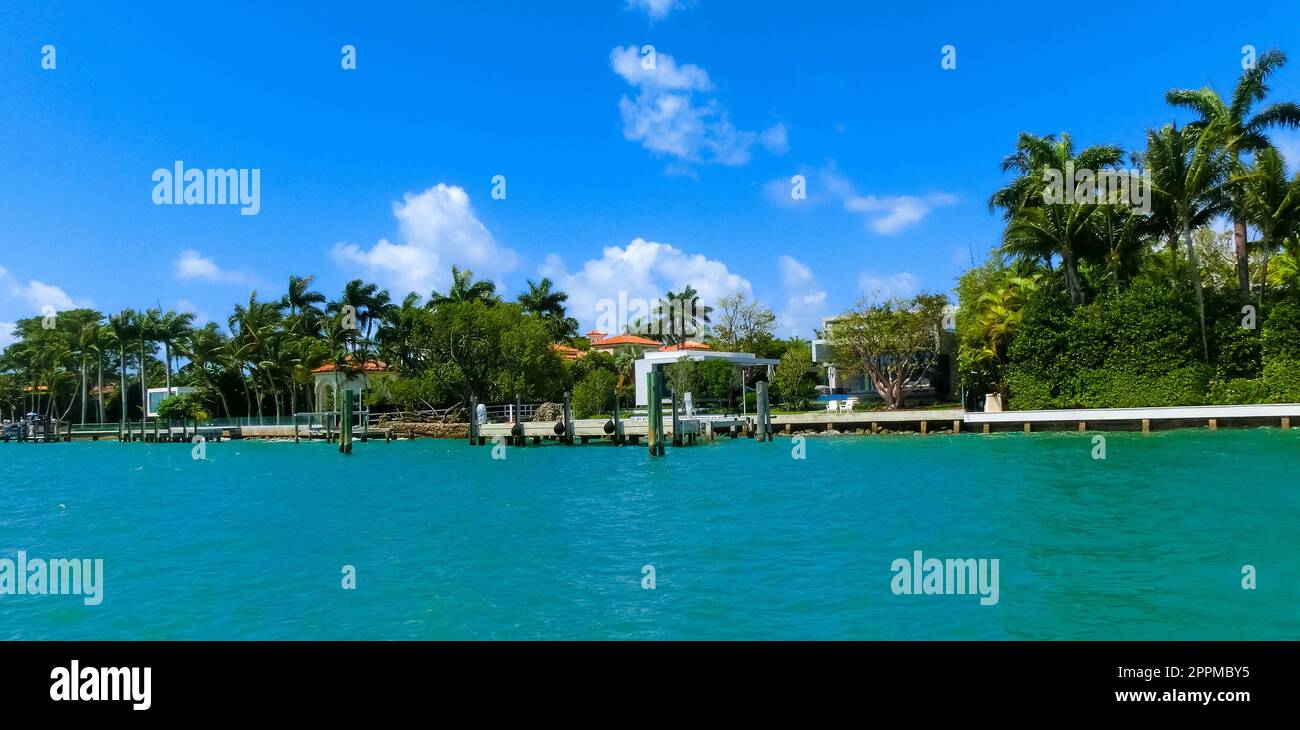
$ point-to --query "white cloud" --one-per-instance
(805, 303)
(439, 228)
(7, 334)
(883, 286)
(34, 296)
(776, 138)
(883, 214)
(666, 118)
(656, 9)
(641, 269)
(200, 318)
(193, 265)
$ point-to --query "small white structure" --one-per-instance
(158, 395)
(657, 360)
(372, 375)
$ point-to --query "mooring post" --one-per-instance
(473, 420)
(568, 418)
(618, 422)
(518, 428)
(655, 414)
(677, 423)
(345, 425)
(760, 403)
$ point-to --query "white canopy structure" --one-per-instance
(658, 360)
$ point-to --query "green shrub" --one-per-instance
(1240, 390)
(594, 394)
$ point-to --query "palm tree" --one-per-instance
(1269, 202)
(625, 364)
(1236, 131)
(1042, 229)
(206, 348)
(681, 315)
(173, 328)
(1188, 171)
(124, 328)
(547, 304)
(465, 289)
(301, 300)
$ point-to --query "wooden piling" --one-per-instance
(618, 422)
(924, 428)
(1214, 424)
(956, 425)
(345, 425)
(677, 422)
(1083, 426)
(473, 420)
(1146, 425)
(1028, 427)
(568, 418)
(655, 412)
(760, 401)
(1286, 422)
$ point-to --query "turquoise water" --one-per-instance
(746, 542)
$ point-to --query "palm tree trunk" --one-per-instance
(121, 396)
(100, 377)
(1266, 238)
(1072, 277)
(1196, 286)
(83, 387)
(144, 392)
(1243, 260)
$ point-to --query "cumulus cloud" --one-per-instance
(34, 296)
(805, 300)
(642, 269)
(438, 229)
(885, 215)
(7, 334)
(656, 9)
(674, 115)
(883, 286)
(191, 265)
(776, 138)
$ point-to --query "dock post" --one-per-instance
(1028, 428)
(1286, 422)
(956, 425)
(568, 418)
(618, 422)
(1214, 424)
(473, 420)
(925, 427)
(760, 402)
(1146, 425)
(655, 412)
(677, 423)
(295, 429)
(1083, 426)
(345, 421)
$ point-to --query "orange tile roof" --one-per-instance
(370, 366)
(595, 336)
(626, 340)
(566, 352)
(688, 345)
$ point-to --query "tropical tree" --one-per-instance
(1269, 202)
(1235, 130)
(465, 289)
(548, 304)
(1188, 171)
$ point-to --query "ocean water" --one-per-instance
(746, 542)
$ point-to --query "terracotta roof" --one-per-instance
(370, 366)
(626, 340)
(688, 345)
(595, 336)
(566, 352)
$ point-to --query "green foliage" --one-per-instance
(183, 406)
(681, 376)
(792, 377)
(716, 379)
(594, 394)
(891, 341)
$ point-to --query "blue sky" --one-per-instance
(618, 178)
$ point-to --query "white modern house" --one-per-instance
(838, 382)
(659, 359)
(158, 395)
